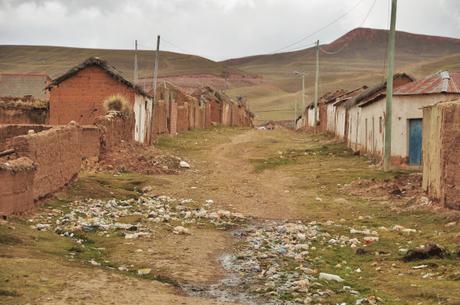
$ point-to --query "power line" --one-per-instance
(364, 21)
(322, 28)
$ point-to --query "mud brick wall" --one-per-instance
(115, 127)
(81, 97)
(216, 112)
(322, 117)
(441, 153)
(16, 186)
(160, 121)
(182, 118)
(173, 118)
(90, 142)
(7, 132)
(450, 135)
(23, 116)
(226, 114)
(56, 153)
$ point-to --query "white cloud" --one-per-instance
(213, 28)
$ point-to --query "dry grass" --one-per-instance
(117, 103)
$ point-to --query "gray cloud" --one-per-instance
(216, 29)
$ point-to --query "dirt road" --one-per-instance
(263, 212)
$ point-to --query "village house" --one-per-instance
(79, 94)
(337, 112)
(357, 128)
(408, 101)
(24, 84)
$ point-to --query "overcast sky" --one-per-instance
(217, 29)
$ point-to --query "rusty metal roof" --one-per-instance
(441, 82)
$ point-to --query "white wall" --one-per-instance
(142, 105)
(340, 121)
(330, 118)
(354, 131)
(404, 108)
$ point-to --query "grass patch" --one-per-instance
(271, 163)
(8, 293)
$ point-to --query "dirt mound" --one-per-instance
(402, 186)
(133, 157)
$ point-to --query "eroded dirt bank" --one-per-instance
(261, 217)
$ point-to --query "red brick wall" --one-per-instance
(16, 186)
(80, 98)
(56, 152)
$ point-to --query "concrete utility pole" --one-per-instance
(389, 101)
(154, 87)
(136, 76)
(316, 83)
(295, 113)
(155, 69)
(303, 87)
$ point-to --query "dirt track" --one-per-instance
(265, 175)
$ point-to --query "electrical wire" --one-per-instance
(320, 29)
(362, 23)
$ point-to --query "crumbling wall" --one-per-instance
(115, 127)
(90, 142)
(441, 153)
(173, 118)
(16, 187)
(7, 132)
(56, 152)
(160, 121)
(182, 117)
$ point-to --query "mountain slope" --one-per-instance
(56, 60)
(360, 60)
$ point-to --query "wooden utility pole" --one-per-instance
(389, 98)
(316, 83)
(136, 76)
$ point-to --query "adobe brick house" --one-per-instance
(79, 94)
(24, 84)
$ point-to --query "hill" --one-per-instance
(54, 61)
(360, 60)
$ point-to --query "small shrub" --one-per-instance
(117, 103)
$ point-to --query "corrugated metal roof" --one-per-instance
(441, 82)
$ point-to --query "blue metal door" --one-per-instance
(415, 142)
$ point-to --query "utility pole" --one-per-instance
(389, 100)
(316, 83)
(152, 104)
(295, 113)
(136, 77)
(303, 88)
(155, 69)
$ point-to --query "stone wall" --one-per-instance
(441, 153)
(16, 187)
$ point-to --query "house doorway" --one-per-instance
(415, 141)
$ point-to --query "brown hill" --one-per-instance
(56, 60)
(360, 59)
